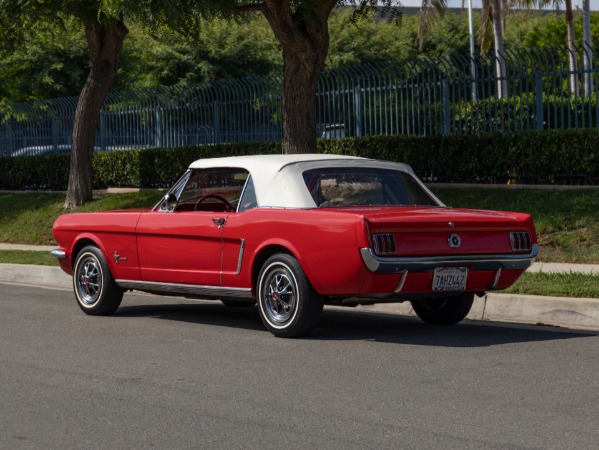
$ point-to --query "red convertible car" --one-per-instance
(294, 232)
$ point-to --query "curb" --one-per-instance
(563, 312)
(40, 276)
(29, 248)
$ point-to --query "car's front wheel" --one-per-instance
(95, 289)
(443, 310)
(288, 305)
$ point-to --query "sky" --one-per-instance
(476, 3)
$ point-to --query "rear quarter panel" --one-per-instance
(326, 244)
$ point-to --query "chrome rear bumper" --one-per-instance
(379, 264)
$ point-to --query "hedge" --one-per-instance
(532, 157)
(528, 157)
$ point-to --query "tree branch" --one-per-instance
(250, 7)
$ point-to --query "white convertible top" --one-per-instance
(278, 179)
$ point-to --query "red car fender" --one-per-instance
(96, 241)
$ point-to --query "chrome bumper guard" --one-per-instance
(379, 264)
(60, 254)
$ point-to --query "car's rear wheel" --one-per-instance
(288, 305)
(95, 289)
(444, 310)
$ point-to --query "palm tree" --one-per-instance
(571, 47)
(586, 46)
(588, 58)
(572, 50)
(493, 14)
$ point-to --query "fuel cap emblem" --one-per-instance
(454, 241)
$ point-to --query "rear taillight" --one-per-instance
(520, 241)
(383, 243)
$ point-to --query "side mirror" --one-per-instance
(170, 202)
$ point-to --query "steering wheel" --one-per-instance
(228, 206)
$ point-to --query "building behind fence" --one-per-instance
(423, 96)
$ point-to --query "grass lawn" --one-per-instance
(557, 285)
(567, 221)
(27, 257)
(28, 218)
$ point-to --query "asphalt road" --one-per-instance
(171, 373)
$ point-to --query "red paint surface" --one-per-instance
(187, 247)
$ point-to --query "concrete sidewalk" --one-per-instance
(576, 313)
(29, 248)
(547, 267)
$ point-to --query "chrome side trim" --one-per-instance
(60, 254)
(240, 257)
(378, 264)
(189, 289)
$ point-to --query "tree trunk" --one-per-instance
(571, 48)
(104, 44)
(304, 39)
(300, 81)
(499, 50)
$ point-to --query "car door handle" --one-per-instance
(218, 221)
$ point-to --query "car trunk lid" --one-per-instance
(416, 231)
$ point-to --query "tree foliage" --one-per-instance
(549, 30)
(218, 49)
(104, 28)
(53, 60)
(104, 31)
(301, 28)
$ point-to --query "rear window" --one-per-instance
(334, 187)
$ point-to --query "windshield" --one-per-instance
(333, 187)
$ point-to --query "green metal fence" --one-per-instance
(422, 96)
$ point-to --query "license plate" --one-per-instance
(450, 279)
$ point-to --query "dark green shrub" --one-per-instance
(49, 172)
(531, 157)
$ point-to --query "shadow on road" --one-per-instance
(206, 313)
(340, 325)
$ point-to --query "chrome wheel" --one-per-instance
(280, 297)
(288, 305)
(95, 289)
(89, 280)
